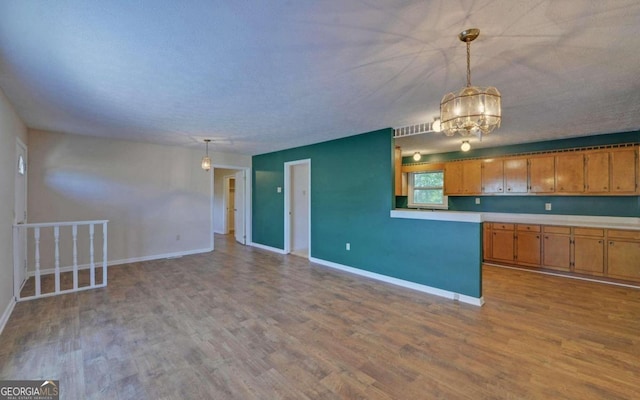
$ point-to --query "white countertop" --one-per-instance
(540, 219)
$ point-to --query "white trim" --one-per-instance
(7, 314)
(476, 301)
(268, 248)
(287, 202)
(65, 223)
(226, 184)
(580, 278)
(177, 254)
(453, 216)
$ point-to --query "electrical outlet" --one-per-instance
(348, 246)
(477, 200)
(547, 206)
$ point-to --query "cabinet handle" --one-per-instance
(537, 236)
(605, 188)
(546, 237)
(599, 241)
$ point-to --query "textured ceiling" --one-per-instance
(257, 76)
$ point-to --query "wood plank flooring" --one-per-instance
(243, 323)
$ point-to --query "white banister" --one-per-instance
(104, 252)
(36, 235)
(74, 233)
(92, 265)
(56, 238)
(61, 251)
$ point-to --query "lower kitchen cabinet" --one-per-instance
(623, 254)
(502, 242)
(528, 245)
(588, 250)
(611, 253)
(556, 247)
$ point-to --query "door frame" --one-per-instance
(20, 270)
(288, 167)
(247, 198)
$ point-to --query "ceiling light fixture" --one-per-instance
(465, 146)
(474, 110)
(435, 125)
(206, 160)
(417, 156)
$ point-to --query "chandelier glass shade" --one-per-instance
(473, 110)
(206, 160)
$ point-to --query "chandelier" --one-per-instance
(474, 110)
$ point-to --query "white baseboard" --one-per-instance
(6, 314)
(269, 248)
(48, 271)
(476, 301)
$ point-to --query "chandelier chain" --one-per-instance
(468, 64)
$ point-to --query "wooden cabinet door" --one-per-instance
(623, 170)
(472, 177)
(453, 178)
(486, 241)
(502, 245)
(570, 173)
(528, 246)
(515, 175)
(623, 259)
(542, 175)
(597, 172)
(556, 252)
(492, 176)
(588, 255)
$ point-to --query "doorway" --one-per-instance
(20, 215)
(297, 192)
(231, 210)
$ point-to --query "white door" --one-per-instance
(299, 209)
(231, 206)
(20, 215)
(239, 202)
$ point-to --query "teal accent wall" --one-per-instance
(614, 206)
(351, 197)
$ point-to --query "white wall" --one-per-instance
(11, 127)
(150, 193)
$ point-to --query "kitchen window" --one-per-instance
(426, 190)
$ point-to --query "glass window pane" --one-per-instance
(428, 179)
(428, 196)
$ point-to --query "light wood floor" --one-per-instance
(243, 323)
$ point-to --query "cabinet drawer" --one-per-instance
(564, 230)
(615, 233)
(528, 228)
(588, 232)
(503, 227)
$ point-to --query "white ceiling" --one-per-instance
(257, 76)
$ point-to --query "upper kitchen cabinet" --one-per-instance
(492, 176)
(624, 170)
(570, 172)
(597, 172)
(515, 175)
(463, 177)
(542, 175)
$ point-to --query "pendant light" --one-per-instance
(474, 110)
(206, 160)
